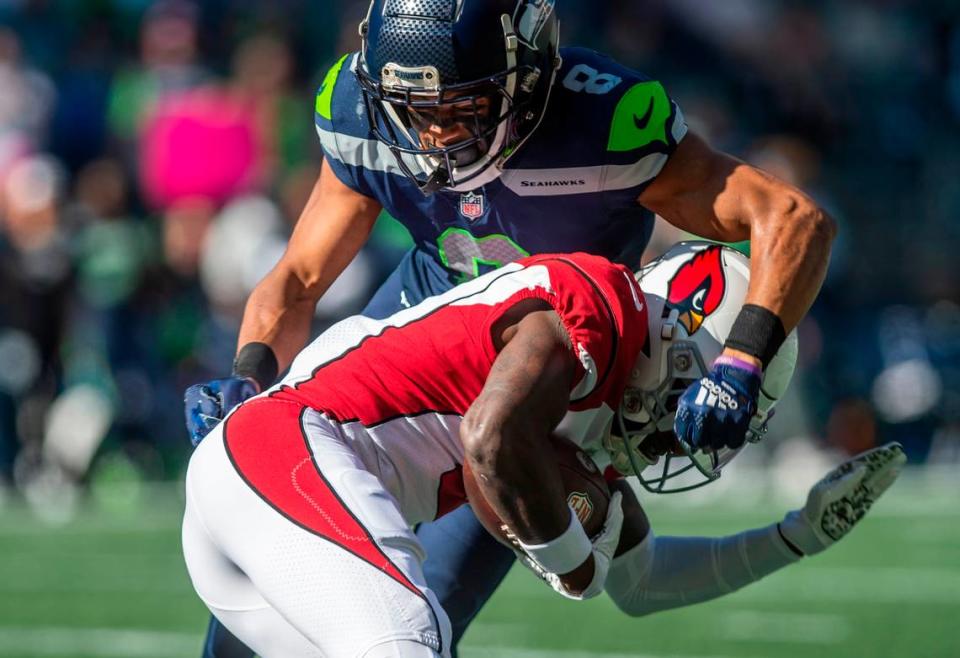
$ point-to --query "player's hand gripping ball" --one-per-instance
(841, 499)
(587, 495)
(586, 489)
(715, 411)
(206, 405)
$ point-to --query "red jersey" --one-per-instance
(396, 390)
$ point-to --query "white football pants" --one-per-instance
(298, 550)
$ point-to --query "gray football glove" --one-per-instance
(838, 501)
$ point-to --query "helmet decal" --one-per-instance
(697, 288)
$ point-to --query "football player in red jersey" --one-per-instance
(299, 505)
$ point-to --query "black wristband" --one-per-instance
(258, 362)
(757, 332)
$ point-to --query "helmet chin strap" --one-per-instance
(437, 181)
(440, 179)
(489, 175)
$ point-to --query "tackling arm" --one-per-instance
(718, 197)
(652, 574)
(276, 323)
(334, 225)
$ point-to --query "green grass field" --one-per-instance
(111, 583)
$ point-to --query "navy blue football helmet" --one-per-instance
(454, 87)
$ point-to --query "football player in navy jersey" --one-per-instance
(466, 121)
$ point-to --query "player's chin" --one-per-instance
(469, 155)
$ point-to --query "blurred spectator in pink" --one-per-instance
(220, 142)
(202, 143)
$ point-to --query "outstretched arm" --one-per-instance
(716, 196)
(276, 324)
(659, 573)
(331, 230)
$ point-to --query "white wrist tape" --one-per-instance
(565, 553)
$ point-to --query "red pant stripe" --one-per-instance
(267, 444)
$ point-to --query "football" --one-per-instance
(587, 492)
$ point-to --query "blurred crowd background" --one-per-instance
(155, 155)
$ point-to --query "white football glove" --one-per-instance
(838, 501)
(604, 546)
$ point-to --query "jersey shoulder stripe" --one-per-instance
(350, 334)
(644, 118)
(632, 111)
(348, 144)
(324, 104)
(360, 369)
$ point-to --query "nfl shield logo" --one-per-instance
(471, 206)
(581, 506)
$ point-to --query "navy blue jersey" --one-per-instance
(573, 186)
